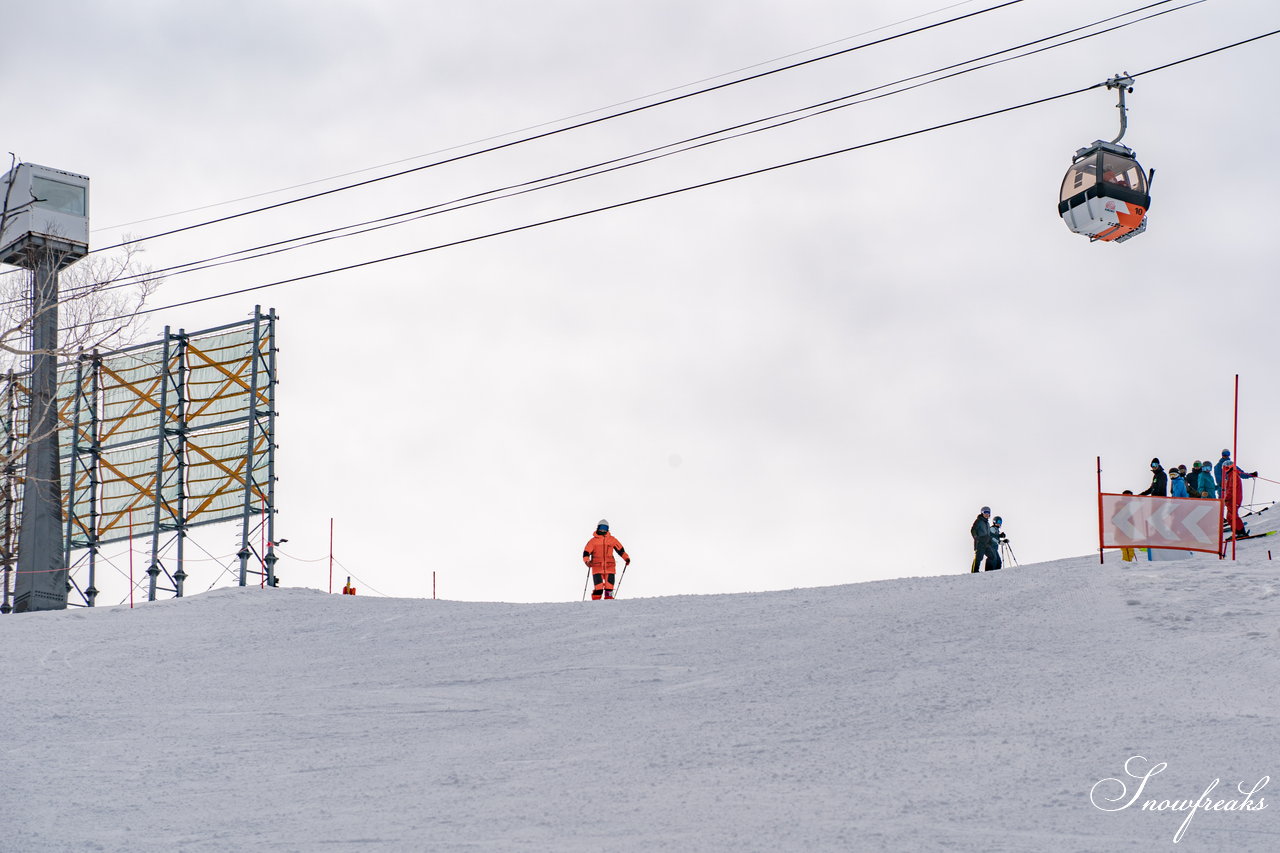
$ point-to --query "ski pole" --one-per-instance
(586, 584)
(618, 586)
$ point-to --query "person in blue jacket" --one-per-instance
(1177, 485)
(1208, 486)
(997, 536)
(1217, 469)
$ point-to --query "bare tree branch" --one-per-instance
(98, 300)
(90, 292)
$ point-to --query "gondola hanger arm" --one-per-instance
(1123, 83)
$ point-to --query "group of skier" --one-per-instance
(987, 539)
(1205, 480)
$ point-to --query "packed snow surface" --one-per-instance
(961, 713)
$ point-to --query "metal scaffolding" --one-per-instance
(155, 440)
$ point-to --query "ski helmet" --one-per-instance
(602, 524)
(997, 521)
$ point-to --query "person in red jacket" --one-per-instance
(1233, 495)
(599, 557)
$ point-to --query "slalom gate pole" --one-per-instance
(1222, 515)
(1102, 556)
(1235, 456)
(262, 530)
(131, 585)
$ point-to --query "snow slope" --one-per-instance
(958, 713)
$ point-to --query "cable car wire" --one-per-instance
(603, 208)
(527, 128)
(1201, 55)
(689, 188)
(566, 129)
(615, 164)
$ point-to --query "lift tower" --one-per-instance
(44, 227)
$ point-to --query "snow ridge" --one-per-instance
(959, 713)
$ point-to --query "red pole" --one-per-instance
(1222, 515)
(262, 538)
(1235, 455)
(1235, 424)
(1101, 558)
(131, 559)
(331, 556)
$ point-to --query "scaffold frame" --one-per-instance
(156, 439)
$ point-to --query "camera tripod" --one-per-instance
(1006, 553)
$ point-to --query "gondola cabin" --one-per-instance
(1105, 195)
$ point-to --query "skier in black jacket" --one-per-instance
(980, 530)
(1159, 487)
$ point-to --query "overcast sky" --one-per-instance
(774, 382)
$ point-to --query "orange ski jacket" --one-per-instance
(598, 554)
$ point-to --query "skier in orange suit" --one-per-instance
(599, 557)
